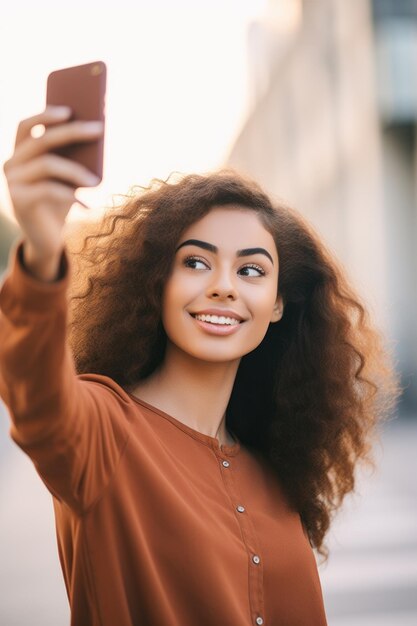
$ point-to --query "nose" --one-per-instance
(222, 287)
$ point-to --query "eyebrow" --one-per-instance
(211, 248)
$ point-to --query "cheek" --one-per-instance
(176, 296)
(263, 303)
(183, 288)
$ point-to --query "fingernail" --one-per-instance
(93, 179)
(94, 127)
(59, 111)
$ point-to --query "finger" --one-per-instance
(56, 137)
(57, 194)
(54, 192)
(51, 115)
(52, 166)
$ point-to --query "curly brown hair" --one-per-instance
(306, 399)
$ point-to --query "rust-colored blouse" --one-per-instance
(157, 523)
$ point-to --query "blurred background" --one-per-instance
(317, 100)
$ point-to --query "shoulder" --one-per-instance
(105, 385)
(107, 394)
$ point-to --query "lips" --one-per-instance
(221, 322)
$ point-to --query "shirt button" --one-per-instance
(240, 508)
(256, 559)
(259, 621)
(226, 463)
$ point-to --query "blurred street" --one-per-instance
(31, 585)
(369, 580)
(371, 575)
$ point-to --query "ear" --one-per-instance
(278, 309)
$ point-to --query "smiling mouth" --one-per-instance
(220, 320)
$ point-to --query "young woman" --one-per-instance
(199, 409)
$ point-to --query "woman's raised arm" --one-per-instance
(72, 429)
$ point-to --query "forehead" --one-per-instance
(231, 228)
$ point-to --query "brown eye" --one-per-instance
(251, 271)
(195, 263)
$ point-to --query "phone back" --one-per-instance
(83, 89)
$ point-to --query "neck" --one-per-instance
(194, 392)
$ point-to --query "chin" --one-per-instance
(218, 356)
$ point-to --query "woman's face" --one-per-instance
(221, 294)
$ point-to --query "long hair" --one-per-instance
(306, 399)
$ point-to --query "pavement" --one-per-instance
(370, 578)
(32, 591)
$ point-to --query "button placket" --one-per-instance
(255, 568)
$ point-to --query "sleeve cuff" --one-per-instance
(22, 288)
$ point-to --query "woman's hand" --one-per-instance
(42, 185)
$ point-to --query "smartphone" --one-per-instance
(83, 89)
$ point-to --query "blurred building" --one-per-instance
(331, 132)
(395, 40)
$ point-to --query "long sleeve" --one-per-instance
(70, 426)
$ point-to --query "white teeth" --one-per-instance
(217, 319)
